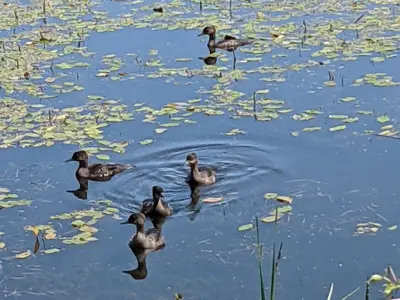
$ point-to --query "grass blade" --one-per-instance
(350, 294)
(330, 292)
(273, 273)
(259, 255)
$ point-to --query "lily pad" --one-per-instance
(23, 254)
(245, 227)
(146, 142)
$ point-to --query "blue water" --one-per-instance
(337, 179)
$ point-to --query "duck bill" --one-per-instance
(201, 34)
(126, 222)
(68, 160)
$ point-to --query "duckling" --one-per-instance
(151, 239)
(156, 208)
(96, 172)
(199, 176)
(229, 43)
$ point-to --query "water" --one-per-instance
(337, 179)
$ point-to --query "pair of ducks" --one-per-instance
(156, 209)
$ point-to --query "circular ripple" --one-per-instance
(240, 165)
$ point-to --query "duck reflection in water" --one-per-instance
(81, 193)
(211, 59)
(143, 243)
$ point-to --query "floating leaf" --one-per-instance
(183, 59)
(330, 83)
(338, 128)
(391, 228)
(24, 254)
(169, 124)
(383, 119)
(102, 74)
(284, 199)
(245, 227)
(310, 129)
(262, 92)
(51, 251)
(4, 190)
(348, 99)
(2, 245)
(295, 133)
(78, 223)
(270, 196)
(146, 142)
(271, 219)
(235, 132)
(103, 156)
(283, 209)
(160, 130)
(212, 200)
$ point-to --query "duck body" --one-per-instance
(229, 43)
(156, 208)
(199, 175)
(95, 172)
(151, 239)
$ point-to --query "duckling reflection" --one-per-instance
(194, 206)
(81, 193)
(198, 175)
(95, 172)
(156, 209)
(142, 243)
(210, 59)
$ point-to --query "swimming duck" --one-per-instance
(151, 239)
(229, 42)
(198, 176)
(156, 208)
(96, 172)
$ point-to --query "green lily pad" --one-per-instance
(245, 227)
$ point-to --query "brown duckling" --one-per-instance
(229, 43)
(156, 208)
(96, 172)
(199, 175)
(151, 239)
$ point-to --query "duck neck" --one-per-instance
(83, 163)
(139, 228)
(194, 168)
(211, 40)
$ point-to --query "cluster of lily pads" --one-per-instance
(81, 225)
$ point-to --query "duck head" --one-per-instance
(209, 30)
(79, 156)
(157, 192)
(191, 159)
(136, 219)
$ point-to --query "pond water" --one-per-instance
(141, 72)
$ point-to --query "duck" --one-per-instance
(95, 172)
(229, 42)
(151, 239)
(156, 208)
(199, 175)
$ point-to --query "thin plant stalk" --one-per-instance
(366, 296)
(273, 273)
(259, 254)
